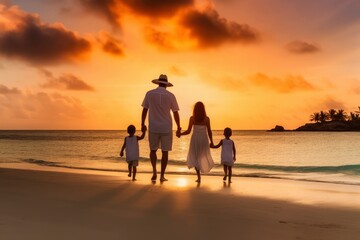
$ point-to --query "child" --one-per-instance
(228, 153)
(199, 151)
(131, 146)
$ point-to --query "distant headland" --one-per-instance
(331, 120)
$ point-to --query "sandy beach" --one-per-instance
(59, 205)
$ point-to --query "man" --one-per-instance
(159, 102)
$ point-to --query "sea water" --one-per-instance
(304, 156)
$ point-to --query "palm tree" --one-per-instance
(354, 116)
(315, 117)
(323, 116)
(341, 115)
(332, 114)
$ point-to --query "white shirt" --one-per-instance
(132, 148)
(160, 101)
(227, 151)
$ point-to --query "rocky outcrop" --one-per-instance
(278, 128)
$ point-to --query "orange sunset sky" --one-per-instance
(87, 64)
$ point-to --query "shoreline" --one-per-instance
(60, 205)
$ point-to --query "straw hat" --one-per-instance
(162, 80)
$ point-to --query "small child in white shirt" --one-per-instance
(131, 147)
(228, 153)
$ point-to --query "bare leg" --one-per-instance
(230, 173)
(225, 172)
(153, 159)
(198, 175)
(129, 169)
(134, 173)
(164, 162)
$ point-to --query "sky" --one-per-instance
(87, 64)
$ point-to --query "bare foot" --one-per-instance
(129, 175)
(134, 179)
(163, 179)
(198, 180)
(224, 178)
(153, 178)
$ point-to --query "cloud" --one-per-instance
(288, 84)
(106, 8)
(111, 45)
(4, 90)
(23, 36)
(157, 8)
(39, 110)
(209, 29)
(301, 47)
(66, 81)
(111, 9)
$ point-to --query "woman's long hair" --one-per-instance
(199, 112)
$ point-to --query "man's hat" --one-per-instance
(162, 80)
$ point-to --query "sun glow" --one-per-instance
(181, 182)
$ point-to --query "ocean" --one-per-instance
(332, 157)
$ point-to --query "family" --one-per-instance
(158, 104)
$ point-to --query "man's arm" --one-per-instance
(177, 121)
(143, 129)
(143, 118)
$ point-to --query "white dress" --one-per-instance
(227, 152)
(199, 151)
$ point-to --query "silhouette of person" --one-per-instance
(228, 153)
(199, 155)
(131, 147)
(159, 102)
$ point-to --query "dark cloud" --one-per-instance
(65, 82)
(106, 8)
(4, 90)
(210, 30)
(288, 84)
(163, 40)
(111, 9)
(157, 8)
(301, 47)
(111, 45)
(38, 43)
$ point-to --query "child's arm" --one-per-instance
(191, 122)
(123, 148)
(143, 129)
(216, 146)
(234, 151)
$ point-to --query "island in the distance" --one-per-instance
(332, 120)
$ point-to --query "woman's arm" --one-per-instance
(191, 123)
(218, 145)
(208, 126)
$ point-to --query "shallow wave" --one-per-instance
(346, 169)
(213, 173)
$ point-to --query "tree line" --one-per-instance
(335, 115)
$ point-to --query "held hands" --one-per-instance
(121, 154)
(143, 128)
(178, 132)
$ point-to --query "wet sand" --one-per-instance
(65, 205)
